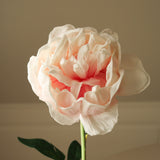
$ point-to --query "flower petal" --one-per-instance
(112, 73)
(62, 115)
(135, 78)
(90, 30)
(68, 105)
(98, 95)
(91, 108)
(58, 74)
(76, 39)
(109, 34)
(61, 118)
(32, 75)
(59, 31)
(67, 66)
(103, 59)
(93, 81)
(101, 123)
(64, 99)
(104, 95)
(60, 51)
(81, 67)
(48, 95)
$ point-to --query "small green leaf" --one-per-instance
(74, 151)
(43, 147)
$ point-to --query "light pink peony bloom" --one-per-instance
(78, 74)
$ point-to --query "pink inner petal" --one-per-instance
(85, 88)
(102, 77)
(57, 84)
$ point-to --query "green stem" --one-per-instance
(83, 143)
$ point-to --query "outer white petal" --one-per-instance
(91, 108)
(136, 79)
(101, 123)
(64, 109)
(43, 52)
(62, 115)
(112, 72)
(62, 106)
(90, 29)
(68, 105)
(48, 96)
(61, 118)
(59, 31)
(44, 80)
(109, 34)
(32, 75)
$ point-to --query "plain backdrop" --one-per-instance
(25, 25)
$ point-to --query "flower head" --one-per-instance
(79, 72)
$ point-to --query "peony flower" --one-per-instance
(79, 73)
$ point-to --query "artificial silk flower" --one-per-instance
(79, 73)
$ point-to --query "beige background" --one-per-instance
(135, 137)
(25, 25)
(24, 28)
